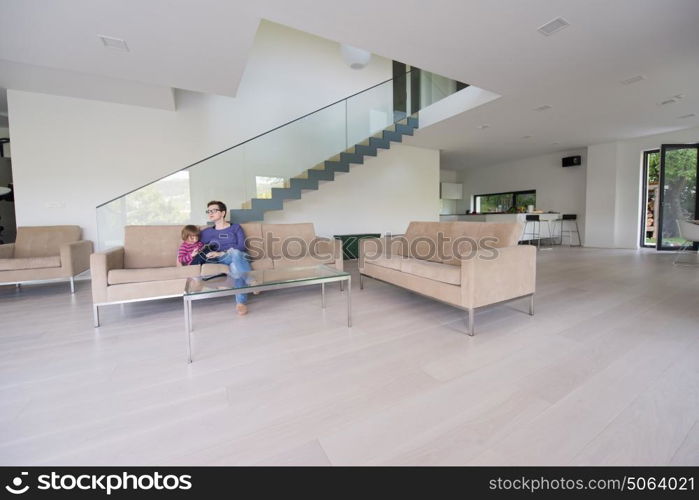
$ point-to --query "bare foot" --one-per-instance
(241, 309)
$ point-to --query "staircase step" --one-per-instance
(392, 136)
(365, 150)
(404, 129)
(337, 166)
(265, 204)
(380, 143)
(321, 175)
(241, 216)
(286, 193)
(299, 183)
(352, 158)
(413, 122)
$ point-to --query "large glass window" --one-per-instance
(511, 202)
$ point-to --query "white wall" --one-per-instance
(557, 188)
(601, 195)
(382, 195)
(614, 187)
(70, 155)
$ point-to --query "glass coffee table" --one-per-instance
(200, 288)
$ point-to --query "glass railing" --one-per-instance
(252, 168)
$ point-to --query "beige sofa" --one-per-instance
(146, 267)
(45, 253)
(465, 264)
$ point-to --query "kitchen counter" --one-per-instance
(546, 221)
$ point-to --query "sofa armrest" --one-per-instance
(330, 247)
(7, 251)
(492, 276)
(100, 265)
(75, 256)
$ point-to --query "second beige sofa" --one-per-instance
(146, 267)
(489, 266)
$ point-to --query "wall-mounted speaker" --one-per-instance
(572, 161)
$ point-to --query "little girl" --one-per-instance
(188, 254)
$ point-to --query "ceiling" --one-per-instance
(203, 46)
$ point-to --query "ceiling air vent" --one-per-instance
(553, 26)
(545, 107)
(690, 115)
(633, 79)
(114, 43)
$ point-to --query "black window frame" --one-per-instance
(644, 197)
(513, 193)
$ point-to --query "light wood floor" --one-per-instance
(605, 373)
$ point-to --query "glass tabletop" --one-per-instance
(261, 277)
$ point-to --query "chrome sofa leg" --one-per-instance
(96, 315)
(531, 305)
(361, 281)
(342, 286)
(471, 327)
(72, 284)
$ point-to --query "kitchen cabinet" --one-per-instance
(450, 191)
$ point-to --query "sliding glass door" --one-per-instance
(678, 191)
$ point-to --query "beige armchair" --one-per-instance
(45, 253)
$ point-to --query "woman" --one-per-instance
(227, 244)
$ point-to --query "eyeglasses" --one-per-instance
(213, 210)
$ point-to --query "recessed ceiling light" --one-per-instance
(483, 127)
(114, 43)
(690, 115)
(633, 79)
(552, 27)
(545, 107)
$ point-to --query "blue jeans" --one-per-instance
(238, 263)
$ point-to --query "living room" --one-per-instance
(608, 354)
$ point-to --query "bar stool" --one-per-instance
(535, 222)
(570, 219)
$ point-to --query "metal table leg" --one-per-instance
(322, 294)
(349, 302)
(188, 327)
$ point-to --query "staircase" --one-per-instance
(254, 209)
(371, 120)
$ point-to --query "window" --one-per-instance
(516, 201)
(264, 185)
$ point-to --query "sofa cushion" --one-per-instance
(254, 243)
(120, 276)
(29, 263)
(448, 242)
(44, 241)
(432, 270)
(389, 261)
(288, 241)
(307, 261)
(151, 246)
